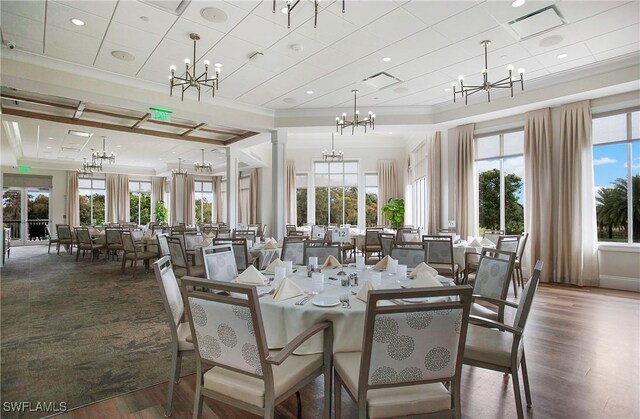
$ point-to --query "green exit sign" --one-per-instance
(24, 169)
(160, 114)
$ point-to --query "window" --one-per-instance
(336, 192)
(301, 198)
(500, 180)
(616, 165)
(204, 201)
(139, 202)
(371, 199)
(92, 193)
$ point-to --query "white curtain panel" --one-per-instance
(157, 194)
(172, 198)
(73, 199)
(387, 186)
(538, 172)
(576, 256)
(465, 193)
(433, 183)
(290, 188)
(189, 206)
(244, 198)
(117, 198)
(254, 179)
(123, 198)
(217, 191)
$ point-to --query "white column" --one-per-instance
(278, 179)
(232, 187)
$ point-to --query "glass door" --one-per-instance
(26, 213)
(12, 212)
(37, 213)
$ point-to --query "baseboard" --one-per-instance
(620, 283)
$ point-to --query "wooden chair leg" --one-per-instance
(516, 391)
(299, 402)
(175, 373)
(337, 397)
(515, 286)
(525, 379)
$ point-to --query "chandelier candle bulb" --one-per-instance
(510, 68)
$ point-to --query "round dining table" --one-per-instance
(284, 320)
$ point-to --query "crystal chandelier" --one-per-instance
(342, 123)
(190, 79)
(179, 172)
(202, 166)
(333, 155)
(506, 83)
(95, 165)
(101, 156)
(290, 5)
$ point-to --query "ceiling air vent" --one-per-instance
(70, 149)
(537, 22)
(175, 7)
(381, 80)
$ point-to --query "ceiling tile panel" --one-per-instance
(133, 14)
(33, 10)
(23, 44)
(259, 31)
(71, 46)
(108, 62)
(503, 12)
(247, 5)
(465, 24)
(234, 14)
(420, 43)
(21, 28)
(234, 48)
(573, 52)
(122, 35)
(296, 46)
(395, 25)
(102, 8)
(362, 13)
(181, 30)
(574, 11)
(301, 15)
(499, 36)
(617, 52)
(60, 15)
(431, 62)
(615, 39)
(331, 28)
(570, 65)
(432, 12)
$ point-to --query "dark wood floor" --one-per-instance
(582, 351)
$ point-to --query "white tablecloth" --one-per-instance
(461, 249)
(283, 320)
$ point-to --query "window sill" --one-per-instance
(619, 247)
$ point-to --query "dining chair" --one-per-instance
(408, 253)
(407, 234)
(64, 237)
(411, 359)
(219, 262)
(85, 242)
(179, 328)
(233, 362)
(318, 232)
(210, 229)
(296, 233)
(163, 246)
(439, 250)
(52, 239)
(113, 242)
(510, 243)
(492, 235)
(134, 253)
(518, 264)
(293, 249)
(500, 347)
(244, 234)
(289, 228)
(495, 269)
(240, 251)
(224, 232)
(372, 242)
(321, 249)
(181, 265)
(386, 239)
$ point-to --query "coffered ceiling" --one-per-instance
(428, 43)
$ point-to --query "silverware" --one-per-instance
(398, 302)
(267, 293)
(304, 301)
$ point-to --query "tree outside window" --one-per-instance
(204, 201)
(92, 198)
(371, 199)
(140, 202)
(301, 198)
(336, 192)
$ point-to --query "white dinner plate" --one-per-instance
(415, 300)
(325, 301)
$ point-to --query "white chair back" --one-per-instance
(219, 262)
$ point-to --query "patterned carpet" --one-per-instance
(78, 333)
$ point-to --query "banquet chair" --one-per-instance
(289, 228)
(237, 368)
(179, 328)
(113, 242)
(181, 264)
(223, 233)
(318, 232)
(52, 240)
(245, 234)
(510, 243)
(210, 229)
(518, 264)
(240, 251)
(411, 361)
(492, 283)
(439, 250)
(321, 249)
(293, 250)
(64, 237)
(134, 253)
(406, 234)
(372, 242)
(386, 240)
(296, 233)
(500, 347)
(492, 235)
(85, 242)
(163, 246)
(219, 262)
(408, 253)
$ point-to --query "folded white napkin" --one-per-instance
(211, 235)
(271, 269)
(287, 289)
(270, 245)
(382, 265)
(424, 280)
(475, 243)
(363, 294)
(486, 242)
(204, 243)
(251, 276)
(331, 263)
(422, 267)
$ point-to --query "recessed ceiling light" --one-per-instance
(123, 55)
(118, 146)
(217, 65)
(173, 152)
(49, 138)
(550, 41)
(401, 90)
(144, 18)
(289, 100)
(48, 147)
(310, 92)
(214, 15)
(386, 59)
(77, 22)
(561, 56)
(517, 3)
(448, 89)
(296, 47)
